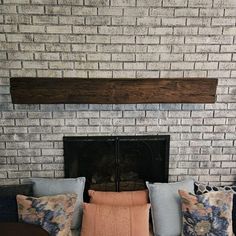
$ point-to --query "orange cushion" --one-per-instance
(103, 220)
(129, 198)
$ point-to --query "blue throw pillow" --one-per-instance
(201, 188)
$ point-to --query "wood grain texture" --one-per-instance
(112, 91)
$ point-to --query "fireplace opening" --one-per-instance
(117, 163)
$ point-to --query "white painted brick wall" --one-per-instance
(119, 39)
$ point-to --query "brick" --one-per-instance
(47, 56)
(49, 73)
(97, 2)
(122, 57)
(84, 11)
(32, 29)
(31, 9)
(148, 21)
(159, 48)
(148, 74)
(182, 65)
(99, 57)
(147, 39)
(224, 3)
(20, 56)
(8, 28)
(230, 12)
(10, 64)
(59, 47)
(160, 31)
(59, 29)
(191, 12)
(195, 57)
(209, 40)
(195, 74)
(51, 2)
(8, 46)
(174, 3)
(124, 74)
(200, 21)
(27, 122)
(139, 12)
(100, 74)
(208, 48)
(134, 49)
(172, 39)
(135, 30)
(61, 65)
(32, 46)
(85, 29)
(149, 3)
(158, 66)
(110, 66)
(171, 74)
(206, 65)
(148, 57)
(210, 30)
(7, 9)
(228, 48)
(73, 57)
(229, 31)
(122, 39)
(58, 10)
(71, 20)
(109, 30)
(171, 57)
(227, 65)
(211, 12)
(123, 20)
(19, 38)
(14, 19)
(185, 31)
(109, 11)
(219, 57)
(70, 2)
(86, 65)
(35, 65)
(161, 12)
(18, 174)
(88, 129)
(134, 65)
(109, 48)
(122, 3)
(16, 2)
(173, 21)
(97, 39)
(223, 21)
(200, 3)
(98, 20)
(46, 38)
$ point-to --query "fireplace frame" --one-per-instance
(116, 139)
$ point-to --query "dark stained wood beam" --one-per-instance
(112, 91)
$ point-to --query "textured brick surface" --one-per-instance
(119, 39)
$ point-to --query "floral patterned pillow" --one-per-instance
(207, 214)
(52, 213)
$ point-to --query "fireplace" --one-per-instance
(117, 163)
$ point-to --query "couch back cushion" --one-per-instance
(8, 204)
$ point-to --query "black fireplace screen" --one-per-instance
(117, 163)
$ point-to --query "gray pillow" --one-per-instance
(166, 206)
(47, 187)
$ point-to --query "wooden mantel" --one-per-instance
(112, 91)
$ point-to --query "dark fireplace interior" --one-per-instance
(117, 163)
